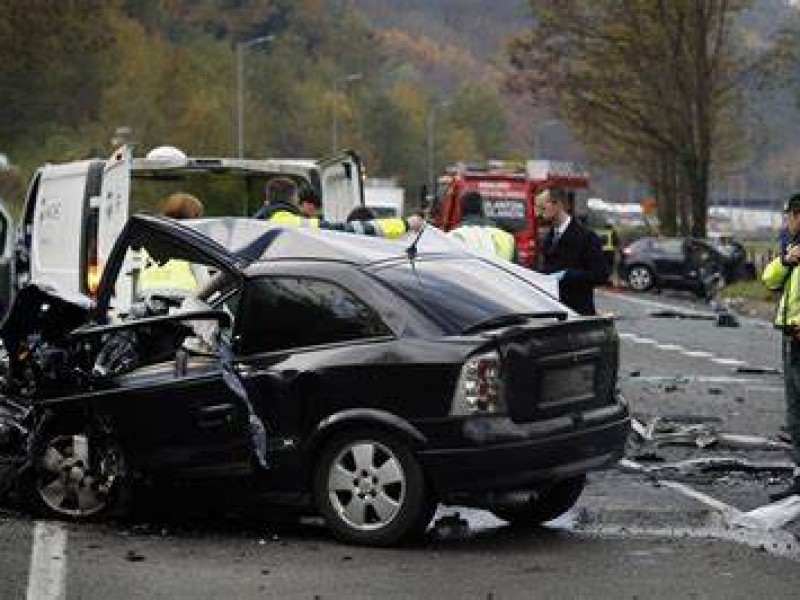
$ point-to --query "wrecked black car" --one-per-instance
(366, 378)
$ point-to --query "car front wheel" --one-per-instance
(370, 489)
(640, 278)
(544, 504)
(77, 477)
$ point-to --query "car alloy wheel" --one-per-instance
(370, 489)
(640, 278)
(73, 482)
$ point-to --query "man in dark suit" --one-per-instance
(572, 254)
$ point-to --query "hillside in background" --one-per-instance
(448, 41)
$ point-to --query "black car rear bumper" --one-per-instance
(508, 465)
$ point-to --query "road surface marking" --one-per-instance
(673, 347)
(729, 361)
(632, 337)
(726, 510)
(697, 353)
(771, 516)
(47, 574)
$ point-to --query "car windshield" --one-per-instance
(460, 292)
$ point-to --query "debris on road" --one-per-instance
(133, 556)
(703, 435)
(451, 526)
(713, 464)
(682, 314)
(771, 516)
(758, 370)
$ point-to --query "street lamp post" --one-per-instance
(335, 122)
(240, 48)
(537, 135)
(430, 129)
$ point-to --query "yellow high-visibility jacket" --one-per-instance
(391, 228)
(486, 240)
(778, 276)
(173, 275)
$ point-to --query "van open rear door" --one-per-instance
(113, 214)
(6, 262)
(341, 184)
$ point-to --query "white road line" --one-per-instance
(47, 574)
(673, 347)
(726, 510)
(632, 337)
(697, 353)
(769, 517)
(728, 361)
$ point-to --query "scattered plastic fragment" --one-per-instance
(451, 526)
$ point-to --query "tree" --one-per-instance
(647, 85)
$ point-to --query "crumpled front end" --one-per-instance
(15, 424)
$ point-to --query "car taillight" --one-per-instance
(479, 389)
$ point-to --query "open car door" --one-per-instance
(341, 182)
(163, 239)
(186, 414)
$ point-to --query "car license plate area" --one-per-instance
(567, 388)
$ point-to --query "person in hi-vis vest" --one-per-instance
(479, 233)
(283, 210)
(783, 275)
(174, 275)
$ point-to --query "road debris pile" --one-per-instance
(662, 432)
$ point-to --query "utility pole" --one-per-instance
(240, 48)
(431, 139)
(335, 124)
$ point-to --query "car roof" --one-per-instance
(252, 240)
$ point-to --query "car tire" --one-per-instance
(640, 278)
(544, 504)
(370, 489)
(78, 477)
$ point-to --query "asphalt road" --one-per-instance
(687, 518)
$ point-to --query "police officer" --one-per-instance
(782, 274)
(480, 234)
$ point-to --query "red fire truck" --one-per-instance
(509, 193)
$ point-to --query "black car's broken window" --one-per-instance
(291, 312)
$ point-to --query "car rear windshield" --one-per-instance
(460, 293)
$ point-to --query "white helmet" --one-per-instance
(166, 153)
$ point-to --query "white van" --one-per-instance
(74, 212)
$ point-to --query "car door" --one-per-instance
(186, 425)
(291, 325)
(341, 184)
(192, 420)
(669, 259)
